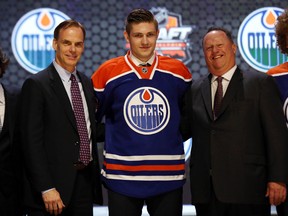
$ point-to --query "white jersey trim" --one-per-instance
(143, 157)
(143, 178)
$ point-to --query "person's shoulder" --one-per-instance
(109, 66)
(254, 77)
(166, 60)
(112, 68)
(109, 70)
(250, 73)
(41, 78)
(196, 83)
(13, 90)
(117, 61)
(43, 74)
(281, 68)
(174, 66)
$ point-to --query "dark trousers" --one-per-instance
(168, 204)
(82, 198)
(218, 208)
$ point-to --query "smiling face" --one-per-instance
(142, 39)
(69, 47)
(219, 52)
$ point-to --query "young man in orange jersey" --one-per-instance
(140, 95)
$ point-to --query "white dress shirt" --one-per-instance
(138, 62)
(225, 82)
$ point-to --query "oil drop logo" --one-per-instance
(256, 39)
(146, 110)
(32, 38)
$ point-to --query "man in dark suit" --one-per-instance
(9, 187)
(239, 155)
(59, 181)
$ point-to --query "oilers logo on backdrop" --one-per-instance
(32, 38)
(146, 111)
(256, 39)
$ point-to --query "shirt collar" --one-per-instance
(226, 76)
(64, 74)
(137, 61)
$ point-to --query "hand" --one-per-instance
(53, 202)
(276, 191)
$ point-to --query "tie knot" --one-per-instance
(219, 79)
(72, 77)
(144, 65)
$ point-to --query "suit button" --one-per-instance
(213, 132)
(76, 143)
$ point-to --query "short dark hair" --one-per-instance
(217, 28)
(138, 16)
(67, 24)
(4, 61)
(281, 31)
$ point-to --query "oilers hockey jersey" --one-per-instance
(143, 150)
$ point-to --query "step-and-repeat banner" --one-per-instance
(27, 32)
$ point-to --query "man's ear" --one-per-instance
(126, 36)
(54, 44)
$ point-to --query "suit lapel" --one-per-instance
(60, 92)
(206, 93)
(233, 87)
(91, 104)
(89, 96)
(9, 113)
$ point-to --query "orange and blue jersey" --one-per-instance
(280, 73)
(143, 150)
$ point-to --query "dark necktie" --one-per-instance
(218, 97)
(84, 154)
(144, 65)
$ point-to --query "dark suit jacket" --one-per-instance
(50, 139)
(243, 149)
(9, 191)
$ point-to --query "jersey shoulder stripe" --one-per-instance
(121, 66)
(280, 69)
(174, 67)
(110, 69)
